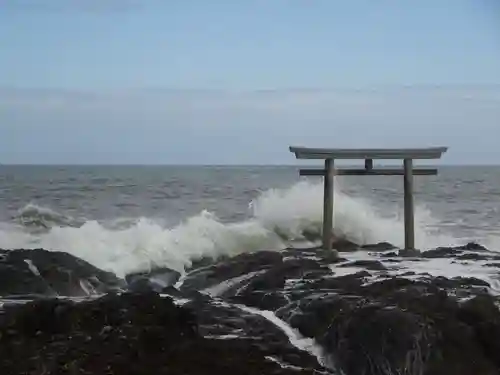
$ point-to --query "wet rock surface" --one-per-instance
(156, 279)
(372, 310)
(132, 334)
(46, 273)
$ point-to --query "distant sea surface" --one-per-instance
(127, 217)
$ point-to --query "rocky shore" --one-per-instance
(376, 310)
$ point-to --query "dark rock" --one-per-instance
(292, 269)
(134, 334)
(317, 274)
(483, 315)
(237, 266)
(154, 280)
(473, 256)
(401, 325)
(441, 252)
(301, 252)
(339, 243)
(59, 317)
(381, 246)
(447, 252)
(329, 257)
(174, 292)
(270, 301)
(346, 283)
(344, 245)
(409, 273)
(472, 246)
(398, 286)
(206, 261)
(377, 339)
(270, 280)
(223, 320)
(497, 265)
(51, 273)
(318, 253)
(409, 253)
(373, 265)
(471, 281)
(386, 335)
(392, 260)
(312, 315)
(260, 290)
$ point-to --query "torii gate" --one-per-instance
(369, 154)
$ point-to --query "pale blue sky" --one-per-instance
(124, 81)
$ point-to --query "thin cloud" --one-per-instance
(316, 103)
(151, 126)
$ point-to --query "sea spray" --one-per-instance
(37, 218)
(300, 208)
(276, 218)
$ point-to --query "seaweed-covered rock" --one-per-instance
(402, 326)
(133, 334)
(249, 314)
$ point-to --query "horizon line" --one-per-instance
(275, 165)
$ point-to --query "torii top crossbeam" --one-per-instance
(368, 154)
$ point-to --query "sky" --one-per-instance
(237, 82)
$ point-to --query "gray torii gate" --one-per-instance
(328, 172)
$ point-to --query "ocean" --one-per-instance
(128, 218)
(215, 269)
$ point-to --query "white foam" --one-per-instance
(283, 365)
(217, 290)
(145, 242)
(177, 301)
(300, 207)
(222, 337)
(295, 338)
(449, 269)
(87, 287)
(36, 215)
(445, 267)
(32, 267)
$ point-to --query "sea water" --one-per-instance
(130, 218)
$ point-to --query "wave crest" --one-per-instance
(38, 217)
(279, 217)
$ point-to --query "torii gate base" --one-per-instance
(329, 156)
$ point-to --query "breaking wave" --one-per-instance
(37, 217)
(278, 217)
